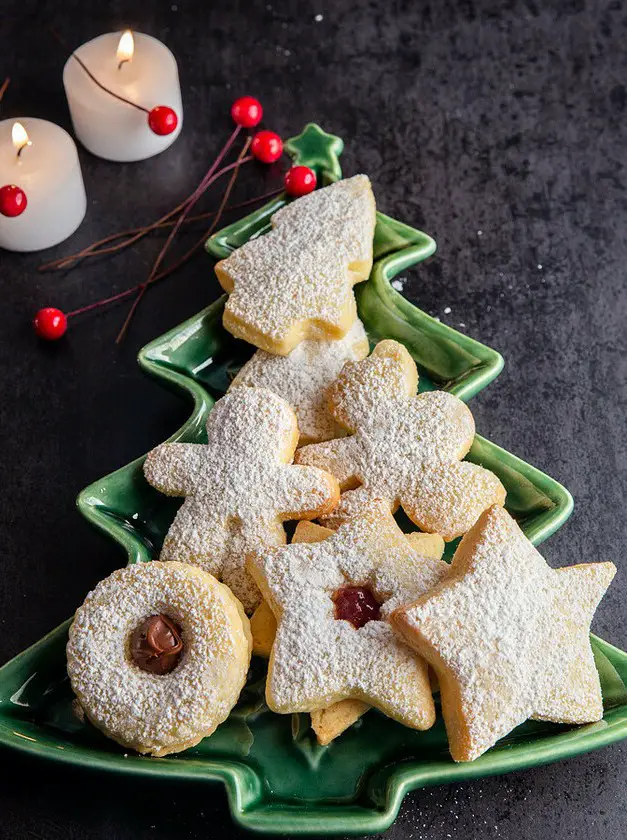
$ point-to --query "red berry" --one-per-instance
(12, 200)
(266, 146)
(50, 323)
(300, 180)
(247, 111)
(162, 120)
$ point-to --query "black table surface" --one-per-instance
(498, 127)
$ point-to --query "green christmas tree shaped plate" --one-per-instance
(277, 778)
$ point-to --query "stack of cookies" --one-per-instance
(354, 613)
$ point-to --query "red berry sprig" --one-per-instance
(12, 200)
(266, 146)
(299, 181)
(247, 111)
(50, 323)
(162, 120)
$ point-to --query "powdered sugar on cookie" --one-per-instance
(304, 376)
(317, 659)
(296, 281)
(405, 448)
(508, 636)
(238, 487)
(158, 714)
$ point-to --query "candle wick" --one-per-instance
(22, 147)
(124, 61)
(82, 64)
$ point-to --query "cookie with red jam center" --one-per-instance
(332, 601)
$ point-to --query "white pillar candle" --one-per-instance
(48, 171)
(112, 129)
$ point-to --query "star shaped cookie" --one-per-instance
(304, 376)
(403, 448)
(296, 282)
(508, 636)
(322, 654)
(329, 723)
(238, 487)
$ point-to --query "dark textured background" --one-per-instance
(497, 127)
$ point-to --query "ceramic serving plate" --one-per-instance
(277, 778)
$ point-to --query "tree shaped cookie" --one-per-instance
(329, 723)
(304, 376)
(404, 448)
(238, 487)
(332, 602)
(296, 282)
(508, 636)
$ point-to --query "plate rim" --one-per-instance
(252, 810)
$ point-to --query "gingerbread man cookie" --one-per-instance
(304, 376)
(508, 636)
(332, 602)
(238, 487)
(296, 282)
(404, 448)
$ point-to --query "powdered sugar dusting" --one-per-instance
(405, 449)
(238, 487)
(300, 275)
(318, 660)
(304, 376)
(152, 713)
(512, 632)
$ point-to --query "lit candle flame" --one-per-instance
(126, 48)
(19, 137)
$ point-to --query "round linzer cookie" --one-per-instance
(404, 448)
(157, 656)
(304, 376)
(332, 601)
(508, 636)
(239, 487)
(296, 282)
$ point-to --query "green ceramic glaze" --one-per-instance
(276, 776)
